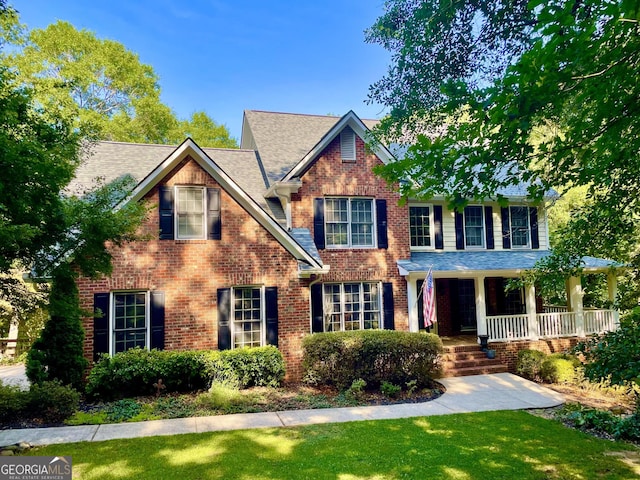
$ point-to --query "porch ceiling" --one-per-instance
(486, 260)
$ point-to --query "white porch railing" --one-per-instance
(501, 328)
(598, 321)
(554, 308)
(558, 324)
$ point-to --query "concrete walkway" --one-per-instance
(479, 393)
(14, 375)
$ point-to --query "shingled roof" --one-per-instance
(283, 139)
(111, 160)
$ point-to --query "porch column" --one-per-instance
(575, 302)
(612, 287)
(481, 307)
(412, 299)
(530, 308)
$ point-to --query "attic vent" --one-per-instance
(348, 145)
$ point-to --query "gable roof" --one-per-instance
(191, 149)
(284, 139)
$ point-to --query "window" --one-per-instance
(246, 329)
(420, 226)
(351, 306)
(190, 210)
(130, 321)
(348, 145)
(349, 222)
(520, 227)
(474, 226)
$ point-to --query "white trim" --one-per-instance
(176, 222)
(432, 236)
(190, 148)
(263, 313)
(484, 229)
(359, 128)
(112, 317)
(349, 245)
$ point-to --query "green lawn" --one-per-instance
(495, 445)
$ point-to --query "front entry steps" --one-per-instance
(464, 360)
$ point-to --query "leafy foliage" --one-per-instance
(341, 358)
(50, 402)
(104, 89)
(586, 418)
(559, 368)
(615, 355)
(529, 363)
(491, 95)
(135, 371)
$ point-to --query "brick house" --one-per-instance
(294, 234)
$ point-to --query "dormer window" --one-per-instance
(348, 145)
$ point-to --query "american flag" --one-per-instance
(428, 299)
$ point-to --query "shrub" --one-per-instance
(529, 363)
(13, 400)
(354, 392)
(51, 402)
(371, 355)
(260, 367)
(559, 368)
(135, 371)
(222, 396)
(390, 390)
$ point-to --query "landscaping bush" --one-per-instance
(49, 402)
(135, 371)
(529, 363)
(52, 402)
(12, 402)
(375, 356)
(559, 368)
(259, 367)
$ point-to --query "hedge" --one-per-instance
(135, 371)
(48, 402)
(375, 356)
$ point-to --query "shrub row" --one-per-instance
(48, 402)
(554, 368)
(138, 371)
(374, 356)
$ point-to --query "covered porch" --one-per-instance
(471, 301)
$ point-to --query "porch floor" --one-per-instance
(459, 340)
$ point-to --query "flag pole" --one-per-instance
(422, 289)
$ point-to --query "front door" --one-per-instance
(465, 307)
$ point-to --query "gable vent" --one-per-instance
(348, 145)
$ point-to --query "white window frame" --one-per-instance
(483, 235)
(263, 314)
(349, 223)
(432, 238)
(327, 307)
(177, 189)
(348, 136)
(528, 224)
(112, 317)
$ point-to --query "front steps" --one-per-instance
(464, 360)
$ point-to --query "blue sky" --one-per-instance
(225, 56)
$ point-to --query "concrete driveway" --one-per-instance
(14, 375)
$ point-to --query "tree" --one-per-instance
(102, 88)
(472, 85)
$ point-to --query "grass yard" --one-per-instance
(479, 446)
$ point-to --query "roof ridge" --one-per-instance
(296, 114)
(114, 142)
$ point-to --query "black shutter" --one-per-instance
(533, 223)
(381, 217)
(317, 315)
(100, 324)
(271, 309)
(214, 226)
(387, 306)
(506, 228)
(157, 321)
(459, 231)
(318, 222)
(166, 213)
(437, 225)
(224, 317)
(488, 224)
